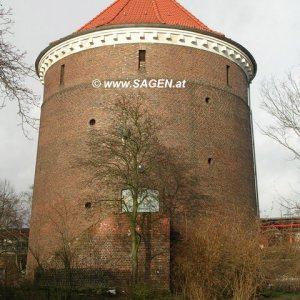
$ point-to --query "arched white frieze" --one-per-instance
(150, 35)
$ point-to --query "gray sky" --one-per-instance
(269, 29)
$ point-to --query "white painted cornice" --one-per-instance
(149, 35)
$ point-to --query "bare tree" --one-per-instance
(10, 207)
(58, 262)
(13, 238)
(13, 74)
(281, 100)
(290, 206)
(129, 156)
(26, 202)
(64, 254)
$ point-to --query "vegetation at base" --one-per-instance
(224, 259)
(140, 292)
(144, 292)
(281, 295)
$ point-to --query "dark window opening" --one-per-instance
(210, 161)
(62, 75)
(175, 236)
(88, 205)
(227, 75)
(92, 122)
(207, 99)
(142, 59)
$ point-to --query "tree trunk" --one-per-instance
(134, 252)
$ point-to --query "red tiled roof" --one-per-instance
(167, 12)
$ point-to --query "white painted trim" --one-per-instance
(149, 35)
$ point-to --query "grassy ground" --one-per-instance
(279, 295)
(60, 294)
(138, 294)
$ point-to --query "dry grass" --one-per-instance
(221, 257)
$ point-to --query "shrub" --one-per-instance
(220, 256)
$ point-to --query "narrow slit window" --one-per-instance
(142, 59)
(227, 75)
(62, 75)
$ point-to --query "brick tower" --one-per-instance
(206, 117)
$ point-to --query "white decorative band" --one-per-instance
(148, 35)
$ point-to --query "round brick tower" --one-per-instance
(195, 79)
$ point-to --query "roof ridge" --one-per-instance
(102, 12)
(187, 12)
(119, 11)
(193, 17)
(162, 12)
(157, 12)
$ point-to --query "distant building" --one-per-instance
(282, 230)
(193, 78)
(13, 254)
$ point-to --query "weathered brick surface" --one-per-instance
(103, 252)
(199, 130)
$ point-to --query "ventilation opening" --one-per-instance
(207, 100)
(92, 122)
(210, 160)
(62, 75)
(88, 205)
(142, 59)
(227, 75)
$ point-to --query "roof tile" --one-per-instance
(167, 12)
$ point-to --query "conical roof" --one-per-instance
(159, 12)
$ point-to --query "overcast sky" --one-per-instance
(269, 29)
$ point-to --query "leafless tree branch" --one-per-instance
(281, 100)
(14, 72)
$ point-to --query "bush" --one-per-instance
(281, 261)
(220, 256)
